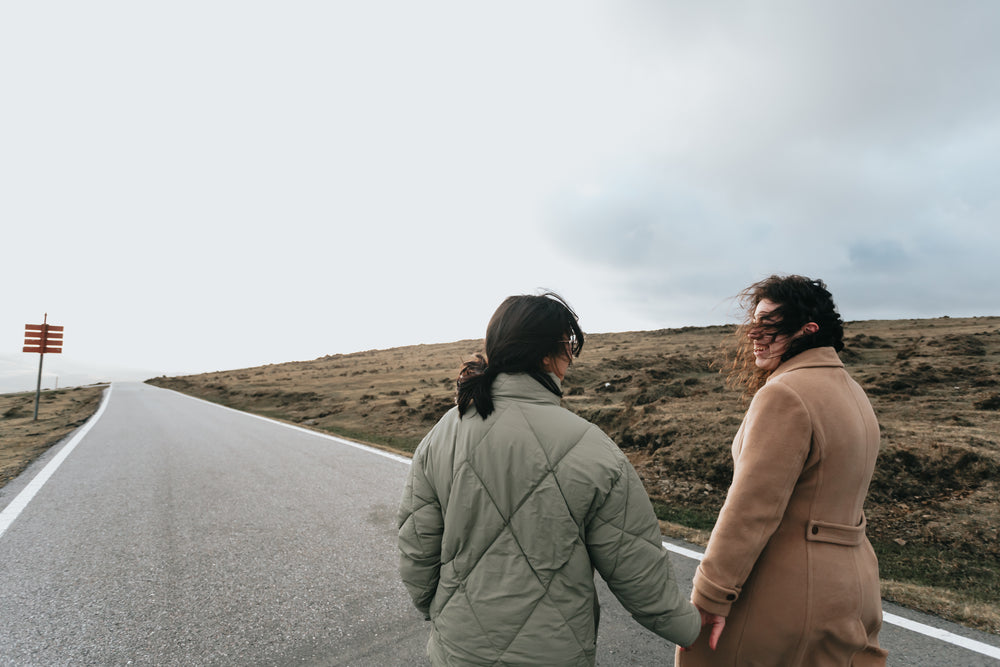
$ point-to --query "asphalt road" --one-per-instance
(177, 532)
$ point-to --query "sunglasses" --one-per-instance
(570, 344)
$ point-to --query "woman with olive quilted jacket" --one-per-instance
(510, 506)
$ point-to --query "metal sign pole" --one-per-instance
(41, 358)
(38, 387)
(42, 338)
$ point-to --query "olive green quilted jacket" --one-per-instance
(503, 522)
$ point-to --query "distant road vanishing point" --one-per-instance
(172, 531)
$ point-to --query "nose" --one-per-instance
(755, 333)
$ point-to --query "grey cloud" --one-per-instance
(859, 144)
(636, 219)
(877, 256)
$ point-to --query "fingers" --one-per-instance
(718, 624)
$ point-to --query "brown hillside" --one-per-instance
(935, 385)
(24, 438)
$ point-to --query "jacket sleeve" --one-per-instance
(775, 443)
(421, 526)
(626, 548)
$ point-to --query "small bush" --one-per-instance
(991, 403)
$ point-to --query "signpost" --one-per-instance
(42, 338)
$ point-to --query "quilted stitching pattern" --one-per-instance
(544, 497)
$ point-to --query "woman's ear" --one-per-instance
(809, 328)
(547, 365)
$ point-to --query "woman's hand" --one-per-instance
(717, 622)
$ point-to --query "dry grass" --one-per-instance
(23, 439)
(935, 385)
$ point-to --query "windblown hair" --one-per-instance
(800, 300)
(522, 332)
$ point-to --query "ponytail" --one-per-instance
(522, 332)
(474, 383)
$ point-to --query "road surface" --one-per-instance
(171, 531)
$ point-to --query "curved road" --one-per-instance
(178, 532)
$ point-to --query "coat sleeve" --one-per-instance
(626, 548)
(775, 441)
(421, 526)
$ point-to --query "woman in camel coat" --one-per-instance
(789, 577)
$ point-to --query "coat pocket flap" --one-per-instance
(836, 533)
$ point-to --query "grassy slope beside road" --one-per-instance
(23, 438)
(935, 385)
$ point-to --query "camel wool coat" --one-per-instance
(788, 562)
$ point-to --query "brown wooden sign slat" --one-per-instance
(43, 339)
(36, 335)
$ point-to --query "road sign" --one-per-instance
(42, 339)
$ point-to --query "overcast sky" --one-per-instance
(199, 186)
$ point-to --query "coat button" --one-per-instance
(815, 530)
(731, 597)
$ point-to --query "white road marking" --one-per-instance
(10, 513)
(943, 635)
(905, 623)
(342, 441)
(16, 506)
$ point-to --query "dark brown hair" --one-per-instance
(800, 300)
(522, 332)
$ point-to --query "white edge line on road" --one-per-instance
(905, 623)
(914, 626)
(320, 434)
(943, 635)
(11, 512)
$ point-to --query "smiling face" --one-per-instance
(768, 345)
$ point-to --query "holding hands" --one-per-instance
(717, 623)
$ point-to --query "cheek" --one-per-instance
(766, 363)
(779, 346)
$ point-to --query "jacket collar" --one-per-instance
(816, 357)
(523, 387)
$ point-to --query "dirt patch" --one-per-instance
(23, 439)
